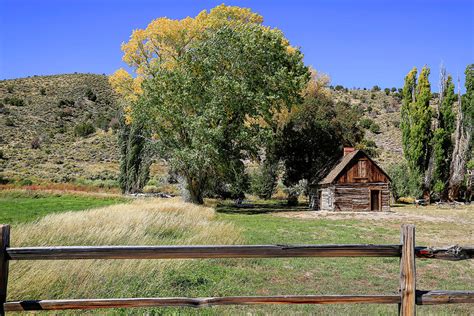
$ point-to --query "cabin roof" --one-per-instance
(345, 161)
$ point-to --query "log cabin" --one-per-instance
(356, 183)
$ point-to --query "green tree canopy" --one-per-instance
(219, 98)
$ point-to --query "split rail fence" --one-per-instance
(407, 299)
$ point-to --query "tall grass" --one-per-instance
(142, 222)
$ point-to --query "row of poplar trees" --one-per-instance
(437, 133)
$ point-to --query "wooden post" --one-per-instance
(4, 243)
(407, 272)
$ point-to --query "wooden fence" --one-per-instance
(407, 299)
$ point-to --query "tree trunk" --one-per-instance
(470, 180)
(195, 189)
(462, 135)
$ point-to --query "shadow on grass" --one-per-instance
(259, 208)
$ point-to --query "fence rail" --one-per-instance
(408, 298)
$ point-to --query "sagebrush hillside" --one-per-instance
(58, 128)
(381, 118)
(62, 128)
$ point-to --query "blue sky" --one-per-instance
(358, 43)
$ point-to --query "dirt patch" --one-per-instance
(399, 216)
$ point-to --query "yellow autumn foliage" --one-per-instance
(164, 40)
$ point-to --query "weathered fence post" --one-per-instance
(4, 243)
(407, 271)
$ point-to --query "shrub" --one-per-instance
(66, 112)
(394, 89)
(9, 122)
(374, 128)
(369, 124)
(102, 122)
(36, 143)
(2, 155)
(66, 102)
(375, 88)
(369, 147)
(84, 129)
(14, 101)
(3, 179)
(338, 88)
(10, 88)
(91, 95)
(43, 91)
(366, 122)
(25, 182)
(3, 109)
(387, 91)
(405, 182)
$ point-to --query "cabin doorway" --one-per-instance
(375, 200)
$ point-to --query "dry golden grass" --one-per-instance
(142, 222)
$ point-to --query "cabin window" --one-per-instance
(362, 168)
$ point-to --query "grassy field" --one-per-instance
(26, 206)
(173, 222)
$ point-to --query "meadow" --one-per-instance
(17, 206)
(170, 221)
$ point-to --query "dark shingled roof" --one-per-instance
(334, 173)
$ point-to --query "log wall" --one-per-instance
(356, 197)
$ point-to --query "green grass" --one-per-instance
(24, 206)
(259, 225)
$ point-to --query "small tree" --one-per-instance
(134, 158)
(263, 180)
(406, 182)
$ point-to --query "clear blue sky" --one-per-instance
(358, 43)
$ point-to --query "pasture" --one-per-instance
(161, 222)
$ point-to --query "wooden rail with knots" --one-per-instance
(407, 299)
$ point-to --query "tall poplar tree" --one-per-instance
(416, 119)
(463, 135)
(442, 142)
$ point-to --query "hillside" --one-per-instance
(384, 110)
(39, 118)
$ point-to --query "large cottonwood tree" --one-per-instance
(164, 47)
(218, 99)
